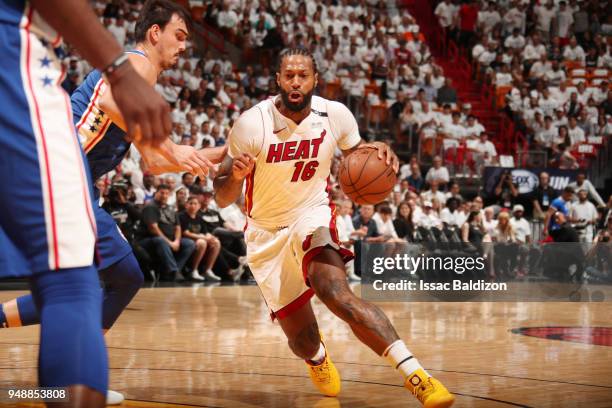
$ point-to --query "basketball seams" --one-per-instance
(376, 178)
(365, 164)
(353, 189)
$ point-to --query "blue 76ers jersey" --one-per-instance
(105, 147)
(103, 142)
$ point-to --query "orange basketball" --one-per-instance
(365, 178)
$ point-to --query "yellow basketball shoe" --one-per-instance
(325, 376)
(428, 390)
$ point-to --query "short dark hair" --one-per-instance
(385, 209)
(287, 52)
(163, 187)
(568, 190)
(158, 12)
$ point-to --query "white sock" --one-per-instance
(319, 357)
(401, 359)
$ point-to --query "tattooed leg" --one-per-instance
(328, 279)
(302, 332)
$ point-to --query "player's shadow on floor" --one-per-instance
(229, 397)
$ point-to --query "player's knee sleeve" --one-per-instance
(125, 273)
(72, 350)
(121, 283)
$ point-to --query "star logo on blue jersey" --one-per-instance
(47, 81)
(45, 62)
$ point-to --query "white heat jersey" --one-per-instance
(293, 161)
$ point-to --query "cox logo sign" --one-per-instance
(525, 180)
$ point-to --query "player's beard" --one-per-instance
(296, 107)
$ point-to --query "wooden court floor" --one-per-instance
(216, 347)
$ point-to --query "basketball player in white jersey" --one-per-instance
(284, 147)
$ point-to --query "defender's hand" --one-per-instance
(192, 161)
(242, 166)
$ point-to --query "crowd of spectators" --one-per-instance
(433, 209)
(551, 60)
(369, 56)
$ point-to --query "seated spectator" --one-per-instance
(438, 172)
(365, 226)
(446, 94)
(408, 119)
(227, 18)
(454, 192)
(487, 153)
(488, 18)
(145, 193)
(415, 180)
(574, 52)
(428, 218)
(547, 137)
(181, 195)
(162, 236)
(207, 247)
(454, 131)
(434, 193)
(257, 34)
(575, 133)
(427, 121)
(449, 215)
(473, 129)
(472, 230)
(555, 75)
(233, 246)
(384, 223)
(354, 88)
(504, 77)
(534, 50)
(515, 41)
(539, 68)
(573, 106)
(403, 223)
(187, 180)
